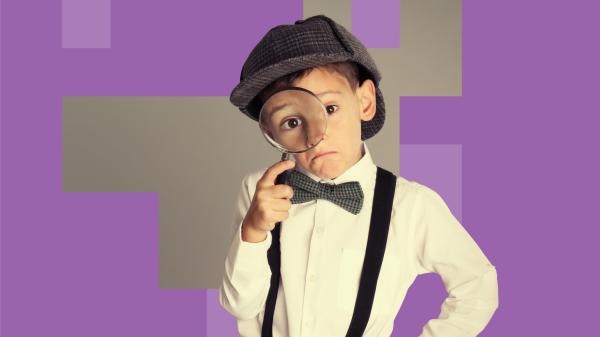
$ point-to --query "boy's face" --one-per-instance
(346, 108)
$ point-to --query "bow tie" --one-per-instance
(347, 195)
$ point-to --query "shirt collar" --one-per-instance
(363, 171)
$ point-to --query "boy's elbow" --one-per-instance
(223, 300)
(229, 300)
(495, 302)
(483, 294)
(490, 299)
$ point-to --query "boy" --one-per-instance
(340, 267)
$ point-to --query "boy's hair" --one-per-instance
(352, 71)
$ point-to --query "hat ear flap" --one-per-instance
(254, 107)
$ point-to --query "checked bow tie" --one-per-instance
(347, 195)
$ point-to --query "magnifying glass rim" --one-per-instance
(272, 141)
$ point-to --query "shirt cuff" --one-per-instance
(262, 245)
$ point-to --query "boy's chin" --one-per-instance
(326, 172)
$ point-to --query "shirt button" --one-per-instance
(313, 278)
(320, 230)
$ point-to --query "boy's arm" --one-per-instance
(246, 280)
(445, 247)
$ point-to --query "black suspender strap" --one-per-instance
(274, 258)
(383, 199)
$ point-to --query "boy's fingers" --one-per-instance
(268, 178)
(281, 205)
(282, 191)
(279, 216)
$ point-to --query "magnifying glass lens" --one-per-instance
(293, 120)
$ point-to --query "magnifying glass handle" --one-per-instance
(282, 177)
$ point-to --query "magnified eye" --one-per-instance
(330, 108)
(291, 123)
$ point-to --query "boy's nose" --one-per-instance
(314, 137)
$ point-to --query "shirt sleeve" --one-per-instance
(445, 247)
(247, 276)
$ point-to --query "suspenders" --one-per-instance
(385, 186)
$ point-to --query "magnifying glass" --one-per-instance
(293, 120)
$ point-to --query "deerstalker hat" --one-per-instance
(307, 43)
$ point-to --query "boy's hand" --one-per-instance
(270, 204)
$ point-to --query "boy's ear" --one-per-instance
(367, 100)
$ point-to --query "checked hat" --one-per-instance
(307, 43)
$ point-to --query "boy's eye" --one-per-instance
(291, 123)
(330, 108)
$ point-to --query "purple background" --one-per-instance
(527, 124)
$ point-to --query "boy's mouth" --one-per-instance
(321, 154)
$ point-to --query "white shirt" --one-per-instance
(322, 251)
